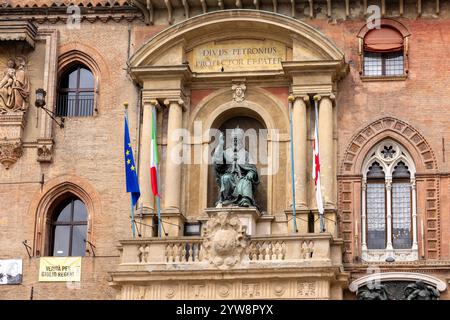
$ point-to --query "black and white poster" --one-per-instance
(10, 271)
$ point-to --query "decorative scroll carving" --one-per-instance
(239, 92)
(224, 240)
(10, 153)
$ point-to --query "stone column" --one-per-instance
(146, 199)
(363, 216)
(326, 149)
(300, 154)
(172, 190)
(414, 215)
(389, 247)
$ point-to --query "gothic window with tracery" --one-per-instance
(389, 218)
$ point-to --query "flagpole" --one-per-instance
(291, 99)
(158, 208)
(133, 231)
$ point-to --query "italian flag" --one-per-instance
(154, 157)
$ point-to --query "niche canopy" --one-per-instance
(18, 30)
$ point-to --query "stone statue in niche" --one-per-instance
(236, 176)
(14, 87)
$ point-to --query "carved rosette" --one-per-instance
(10, 152)
(224, 240)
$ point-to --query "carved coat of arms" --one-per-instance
(225, 240)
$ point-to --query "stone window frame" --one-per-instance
(44, 202)
(386, 23)
(388, 165)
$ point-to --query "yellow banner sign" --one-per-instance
(52, 269)
(238, 55)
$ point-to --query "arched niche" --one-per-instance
(249, 121)
(263, 109)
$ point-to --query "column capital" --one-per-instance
(152, 102)
(329, 95)
(388, 183)
(180, 101)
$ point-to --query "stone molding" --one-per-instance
(378, 130)
(152, 48)
(228, 289)
(16, 30)
(80, 52)
(398, 276)
(44, 200)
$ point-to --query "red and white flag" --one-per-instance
(316, 162)
(154, 157)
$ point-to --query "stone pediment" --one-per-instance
(272, 36)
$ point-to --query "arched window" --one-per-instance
(389, 218)
(383, 52)
(68, 230)
(376, 204)
(76, 92)
(401, 207)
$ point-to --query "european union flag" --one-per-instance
(130, 168)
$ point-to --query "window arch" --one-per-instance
(68, 228)
(384, 50)
(389, 217)
(44, 205)
(76, 92)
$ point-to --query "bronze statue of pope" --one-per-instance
(237, 177)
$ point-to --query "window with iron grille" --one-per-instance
(76, 93)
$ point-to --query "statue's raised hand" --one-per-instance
(221, 139)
